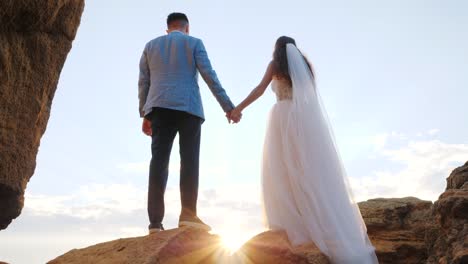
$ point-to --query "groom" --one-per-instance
(170, 103)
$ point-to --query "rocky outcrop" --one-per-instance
(448, 239)
(274, 247)
(397, 228)
(458, 178)
(181, 245)
(35, 38)
(396, 242)
(189, 245)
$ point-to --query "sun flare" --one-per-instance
(232, 240)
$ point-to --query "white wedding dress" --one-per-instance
(305, 187)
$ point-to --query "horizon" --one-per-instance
(391, 75)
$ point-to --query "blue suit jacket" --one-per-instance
(168, 78)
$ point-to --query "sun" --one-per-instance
(232, 239)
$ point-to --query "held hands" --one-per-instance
(234, 115)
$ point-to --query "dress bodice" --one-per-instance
(282, 89)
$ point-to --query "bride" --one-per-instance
(305, 188)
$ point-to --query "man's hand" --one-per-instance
(146, 127)
(228, 116)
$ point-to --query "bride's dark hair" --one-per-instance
(280, 59)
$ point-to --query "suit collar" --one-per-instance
(176, 31)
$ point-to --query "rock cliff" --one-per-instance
(397, 228)
(35, 38)
(447, 240)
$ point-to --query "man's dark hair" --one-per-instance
(180, 18)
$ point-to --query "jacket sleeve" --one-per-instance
(209, 76)
(144, 82)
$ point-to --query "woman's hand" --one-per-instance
(235, 115)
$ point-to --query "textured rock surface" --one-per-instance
(188, 245)
(448, 239)
(35, 38)
(273, 247)
(397, 228)
(458, 177)
(182, 245)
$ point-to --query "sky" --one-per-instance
(392, 76)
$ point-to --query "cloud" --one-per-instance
(381, 140)
(424, 166)
(433, 131)
(134, 166)
(90, 201)
(97, 202)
